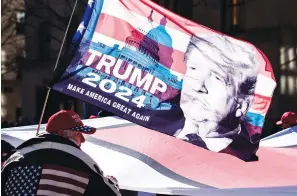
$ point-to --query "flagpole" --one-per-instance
(56, 65)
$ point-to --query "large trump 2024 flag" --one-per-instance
(148, 161)
(164, 72)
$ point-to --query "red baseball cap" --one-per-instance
(67, 120)
(288, 118)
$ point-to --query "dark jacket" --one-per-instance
(52, 164)
(6, 150)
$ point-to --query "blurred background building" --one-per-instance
(12, 53)
(32, 33)
(39, 27)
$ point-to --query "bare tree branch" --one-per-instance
(7, 38)
(10, 38)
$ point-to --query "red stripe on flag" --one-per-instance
(261, 103)
(62, 180)
(56, 190)
(214, 169)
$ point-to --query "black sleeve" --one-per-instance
(98, 187)
(128, 193)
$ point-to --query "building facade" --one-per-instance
(12, 55)
(46, 23)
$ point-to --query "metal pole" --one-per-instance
(56, 64)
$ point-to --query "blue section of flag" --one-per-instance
(161, 35)
(255, 119)
(98, 4)
(23, 180)
(85, 21)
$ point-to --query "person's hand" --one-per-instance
(113, 179)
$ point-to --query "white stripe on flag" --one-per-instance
(62, 185)
(65, 174)
(265, 86)
(98, 37)
(50, 193)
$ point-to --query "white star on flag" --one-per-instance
(90, 2)
(81, 27)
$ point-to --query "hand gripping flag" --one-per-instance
(164, 72)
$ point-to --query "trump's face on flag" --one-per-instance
(217, 86)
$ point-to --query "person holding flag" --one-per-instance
(53, 163)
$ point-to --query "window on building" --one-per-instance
(3, 57)
(20, 22)
(44, 41)
(7, 89)
(236, 12)
(288, 77)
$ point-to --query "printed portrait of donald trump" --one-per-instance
(217, 90)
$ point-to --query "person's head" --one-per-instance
(68, 124)
(219, 83)
(287, 120)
